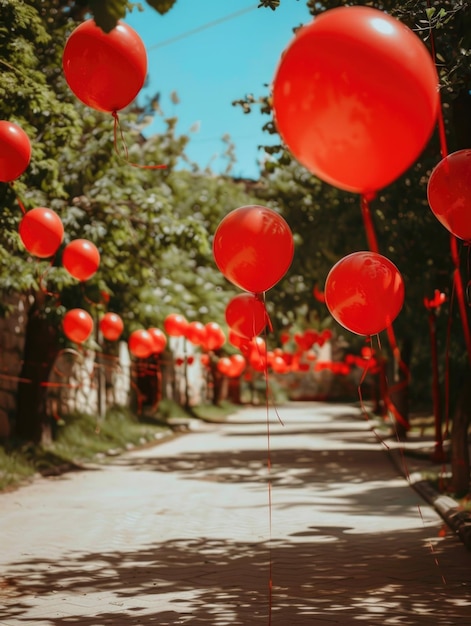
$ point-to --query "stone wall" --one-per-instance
(12, 341)
(84, 380)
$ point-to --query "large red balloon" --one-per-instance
(111, 326)
(237, 340)
(141, 343)
(105, 71)
(449, 193)
(41, 231)
(253, 247)
(355, 98)
(159, 339)
(77, 325)
(246, 315)
(175, 325)
(81, 259)
(15, 151)
(364, 292)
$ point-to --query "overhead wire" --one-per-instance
(203, 27)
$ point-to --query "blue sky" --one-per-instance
(210, 68)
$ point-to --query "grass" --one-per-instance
(78, 438)
(81, 438)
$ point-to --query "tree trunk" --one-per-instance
(460, 467)
(234, 390)
(149, 381)
(40, 351)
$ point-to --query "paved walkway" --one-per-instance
(181, 533)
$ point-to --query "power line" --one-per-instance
(194, 31)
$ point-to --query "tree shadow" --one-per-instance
(321, 574)
(334, 577)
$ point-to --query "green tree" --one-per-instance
(151, 226)
(328, 223)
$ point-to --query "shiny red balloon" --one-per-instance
(279, 365)
(364, 292)
(105, 71)
(224, 365)
(237, 340)
(355, 98)
(81, 259)
(15, 151)
(253, 247)
(111, 326)
(41, 231)
(246, 315)
(77, 325)
(175, 325)
(196, 333)
(215, 337)
(141, 344)
(237, 365)
(159, 339)
(449, 193)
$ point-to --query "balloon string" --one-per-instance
(117, 130)
(373, 245)
(368, 223)
(267, 408)
(89, 300)
(441, 123)
(458, 283)
(268, 322)
(20, 204)
(363, 407)
(43, 287)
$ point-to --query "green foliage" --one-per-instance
(327, 222)
(161, 6)
(153, 227)
(14, 469)
(83, 437)
(269, 4)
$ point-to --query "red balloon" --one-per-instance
(141, 344)
(355, 98)
(175, 325)
(449, 193)
(279, 365)
(253, 247)
(81, 259)
(257, 354)
(41, 232)
(246, 315)
(237, 340)
(77, 325)
(111, 326)
(215, 337)
(237, 365)
(224, 365)
(159, 339)
(105, 71)
(318, 295)
(364, 292)
(310, 337)
(196, 333)
(15, 151)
